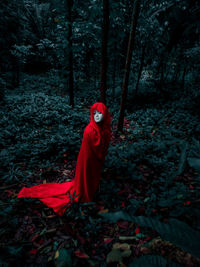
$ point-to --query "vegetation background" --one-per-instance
(141, 58)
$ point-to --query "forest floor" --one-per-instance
(146, 211)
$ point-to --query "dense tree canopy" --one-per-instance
(33, 36)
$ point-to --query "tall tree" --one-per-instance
(68, 65)
(104, 59)
(140, 70)
(135, 14)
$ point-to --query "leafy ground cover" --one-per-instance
(146, 211)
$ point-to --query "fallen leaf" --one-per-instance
(103, 211)
(145, 250)
(137, 231)
(81, 255)
(33, 251)
(148, 238)
(66, 172)
(114, 256)
(124, 238)
(81, 239)
(122, 136)
(123, 204)
(34, 237)
(108, 240)
(123, 224)
(127, 253)
(62, 258)
(122, 246)
(187, 203)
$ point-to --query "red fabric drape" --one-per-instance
(96, 138)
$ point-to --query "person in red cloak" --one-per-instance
(95, 142)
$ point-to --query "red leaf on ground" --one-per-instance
(191, 187)
(123, 191)
(36, 211)
(81, 255)
(148, 238)
(81, 239)
(41, 241)
(108, 240)
(123, 225)
(33, 251)
(93, 251)
(154, 210)
(137, 231)
(96, 206)
(35, 237)
(187, 203)
(9, 192)
(123, 204)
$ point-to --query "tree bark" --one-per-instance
(68, 69)
(183, 76)
(135, 15)
(140, 70)
(114, 71)
(104, 60)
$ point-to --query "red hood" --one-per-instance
(104, 127)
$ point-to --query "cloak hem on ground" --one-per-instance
(95, 142)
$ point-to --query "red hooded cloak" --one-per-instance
(96, 138)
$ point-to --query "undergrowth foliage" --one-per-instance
(37, 128)
(150, 182)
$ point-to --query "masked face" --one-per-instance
(98, 116)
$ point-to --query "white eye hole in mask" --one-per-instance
(98, 116)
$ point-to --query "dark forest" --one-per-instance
(141, 59)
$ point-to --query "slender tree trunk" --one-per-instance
(68, 69)
(140, 70)
(162, 76)
(95, 76)
(15, 60)
(104, 60)
(183, 77)
(135, 15)
(176, 72)
(113, 78)
(114, 71)
(160, 72)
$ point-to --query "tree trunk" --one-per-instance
(176, 73)
(15, 60)
(135, 15)
(162, 77)
(68, 69)
(160, 72)
(140, 70)
(114, 71)
(104, 60)
(183, 76)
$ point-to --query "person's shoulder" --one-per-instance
(87, 130)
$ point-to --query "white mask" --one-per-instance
(98, 116)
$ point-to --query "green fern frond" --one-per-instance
(153, 261)
(177, 232)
